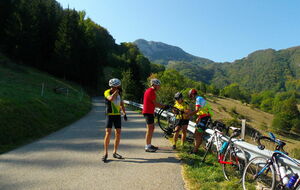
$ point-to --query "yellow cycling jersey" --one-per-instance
(112, 107)
(182, 107)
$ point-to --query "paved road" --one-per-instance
(71, 159)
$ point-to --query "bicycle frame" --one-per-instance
(274, 161)
(216, 136)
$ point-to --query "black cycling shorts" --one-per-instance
(149, 118)
(181, 122)
(113, 120)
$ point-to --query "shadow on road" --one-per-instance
(148, 160)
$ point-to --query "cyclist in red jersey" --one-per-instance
(149, 105)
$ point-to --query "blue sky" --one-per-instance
(220, 30)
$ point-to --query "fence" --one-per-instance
(63, 89)
(250, 150)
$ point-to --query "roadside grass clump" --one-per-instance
(27, 112)
(207, 175)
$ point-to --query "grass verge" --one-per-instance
(207, 175)
(27, 112)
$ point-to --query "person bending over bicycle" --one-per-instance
(204, 114)
(182, 118)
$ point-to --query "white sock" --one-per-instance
(147, 146)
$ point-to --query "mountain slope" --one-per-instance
(162, 53)
(261, 70)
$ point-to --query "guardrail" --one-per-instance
(250, 149)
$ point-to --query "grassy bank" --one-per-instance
(257, 119)
(207, 175)
(27, 112)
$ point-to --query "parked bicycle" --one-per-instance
(270, 173)
(231, 156)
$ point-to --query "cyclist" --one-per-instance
(182, 119)
(149, 104)
(114, 104)
(204, 114)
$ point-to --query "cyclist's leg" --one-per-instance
(150, 128)
(107, 133)
(183, 136)
(176, 134)
(117, 124)
(106, 139)
(198, 140)
(149, 133)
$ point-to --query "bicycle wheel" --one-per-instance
(166, 125)
(265, 180)
(237, 161)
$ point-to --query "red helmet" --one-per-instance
(192, 92)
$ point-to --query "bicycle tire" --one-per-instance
(163, 127)
(168, 128)
(237, 156)
(264, 181)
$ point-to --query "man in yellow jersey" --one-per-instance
(182, 119)
(114, 104)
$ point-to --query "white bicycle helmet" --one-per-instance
(114, 82)
(155, 82)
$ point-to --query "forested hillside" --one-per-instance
(261, 70)
(65, 43)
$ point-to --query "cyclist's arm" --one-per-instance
(197, 108)
(113, 96)
(123, 108)
(158, 104)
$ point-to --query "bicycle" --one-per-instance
(269, 173)
(231, 156)
(168, 127)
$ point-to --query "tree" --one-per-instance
(287, 118)
(128, 86)
(267, 104)
(213, 89)
(233, 91)
(280, 123)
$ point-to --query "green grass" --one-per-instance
(25, 115)
(207, 175)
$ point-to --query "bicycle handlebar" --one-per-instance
(279, 146)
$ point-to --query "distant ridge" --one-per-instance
(162, 53)
(267, 69)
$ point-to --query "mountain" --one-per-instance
(261, 70)
(162, 53)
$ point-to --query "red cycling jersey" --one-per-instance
(149, 97)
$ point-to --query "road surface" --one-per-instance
(71, 159)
